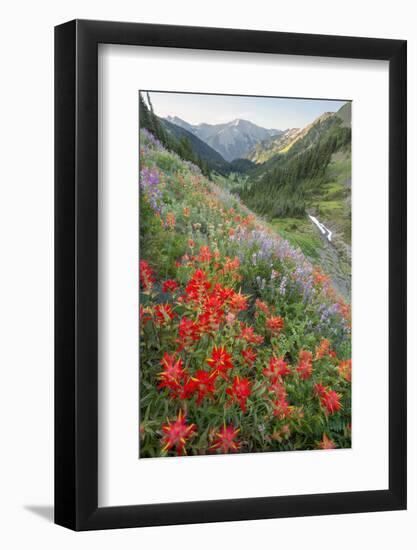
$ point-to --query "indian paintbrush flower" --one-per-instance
(224, 441)
(176, 434)
(240, 391)
(220, 361)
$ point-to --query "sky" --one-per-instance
(277, 113)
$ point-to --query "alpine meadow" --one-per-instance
(245, 274)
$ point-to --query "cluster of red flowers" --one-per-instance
(173, 373)
(345, 370)
(208, 304)
(249, 356)
(163, 314)
(305, 364)
(275, 324)
(326, 443)
(202, 383)
(170, 286)
(247, 333)
(240, 391)
(329, 399)
(261, 306)
(214, 302)
(225, 440)
(188, 332)
(320, 278)
(220, 362)
(176, 434)
(277, 369)
(323, 349)
(147, 277)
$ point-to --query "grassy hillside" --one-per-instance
(289, 183)
(333, 204)
(345, 113)
(244, 343)
(312, 177)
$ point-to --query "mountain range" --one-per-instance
(214, 160)
(232, 140)
(243, 146)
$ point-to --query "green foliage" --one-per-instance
(288, 183)
(182, 146)
(300, 233)
(195, 217)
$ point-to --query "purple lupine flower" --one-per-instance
(151, 139)
(149, 183)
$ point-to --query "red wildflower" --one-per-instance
(169, 286)
(322, 349)
(188, 332)
(222, 294)
(237, 302)
(319, 389)
(173, 372)
(231, 265)
(262, 306)
(275, 324)
(278, 389)
(282, 408)
(329, 399)
(170, 220)
(197, 286)
(204, 255)
(240, 391)
(305, 365)
(202, 383)
(225, 440)
(176, 434)
(277, 367)
(249, 356)
(345, 370)
(146, 276)
(344, 310)
(144, 315)
(326, 443)
(319, 277)
(247, 333)
(220, 361)
(213, 314)
(163, 314)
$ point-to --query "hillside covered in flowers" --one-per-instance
(244, 344)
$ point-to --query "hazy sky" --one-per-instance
(278, 113)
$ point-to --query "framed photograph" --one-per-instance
(230, 275)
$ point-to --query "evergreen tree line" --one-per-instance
(286, 188)
(182, 147)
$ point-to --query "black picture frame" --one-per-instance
(76, 272)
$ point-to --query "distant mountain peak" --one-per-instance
(233, 139)
(175, 119)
